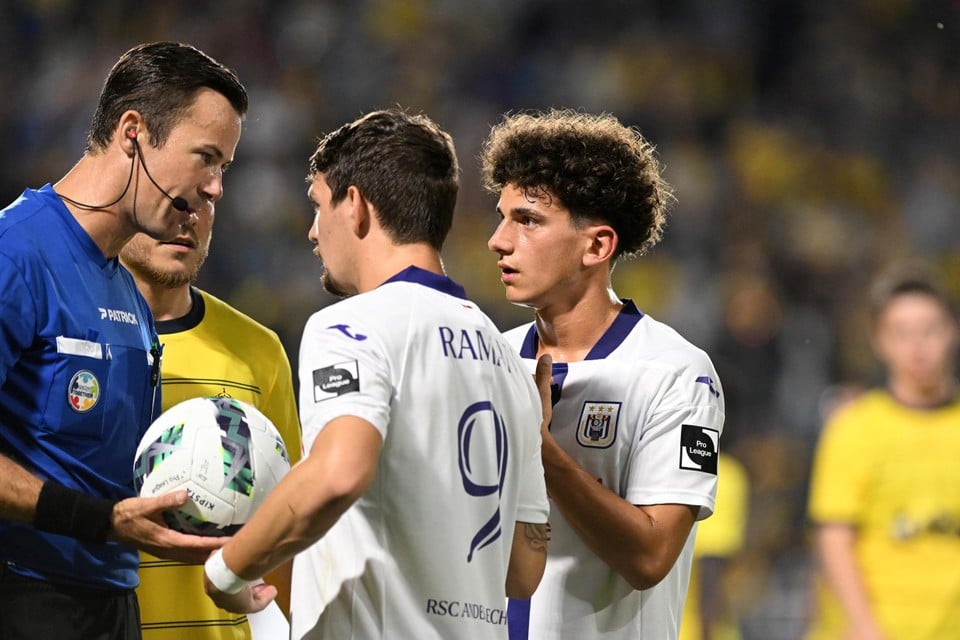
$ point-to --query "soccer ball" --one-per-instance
(224, 452)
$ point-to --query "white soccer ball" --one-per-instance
(224, 452)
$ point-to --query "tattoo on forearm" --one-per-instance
(536, 536)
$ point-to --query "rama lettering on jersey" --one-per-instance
(474, 344)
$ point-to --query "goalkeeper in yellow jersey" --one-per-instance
(885, 493)
(210, 349)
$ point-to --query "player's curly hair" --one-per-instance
(599, 169)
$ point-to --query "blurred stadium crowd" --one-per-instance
(809, 143)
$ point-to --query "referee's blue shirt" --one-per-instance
(77, 388)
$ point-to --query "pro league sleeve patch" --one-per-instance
(699, 447)
(335, 380)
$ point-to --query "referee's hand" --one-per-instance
(139, 523)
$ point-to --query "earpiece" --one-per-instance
(178, 203)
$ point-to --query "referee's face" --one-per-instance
(190, 165)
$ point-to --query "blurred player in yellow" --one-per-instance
(210, 349)
(885, 493)
(707, 613)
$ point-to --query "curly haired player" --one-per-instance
(631, 454)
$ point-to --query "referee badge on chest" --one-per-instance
(597, 427)
(83, 391)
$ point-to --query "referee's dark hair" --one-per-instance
(160, 80)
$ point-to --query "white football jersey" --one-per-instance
(424, 552)
(643, 414)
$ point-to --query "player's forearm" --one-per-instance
(836, 546)
(628, 538)
(295, 515)
(309, 500)
(711, 593)
(528, 558)
(19, 491)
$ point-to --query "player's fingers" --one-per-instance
(544, 377)
(263, 594)
(544, 373)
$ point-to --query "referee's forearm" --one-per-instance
(19, 491)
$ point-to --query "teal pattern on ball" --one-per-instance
(159, 450)
(235, 446)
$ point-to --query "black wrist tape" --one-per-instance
(72, 513)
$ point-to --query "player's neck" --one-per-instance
(568, 331)
(379, 266)
(166, 303)
(912, 393)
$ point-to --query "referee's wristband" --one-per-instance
(221, 576)
(72, 513)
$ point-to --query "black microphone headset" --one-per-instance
(178, 203)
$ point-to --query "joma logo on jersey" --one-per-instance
(117, 315)
(347, 331)
(707, 380)
(598, 424)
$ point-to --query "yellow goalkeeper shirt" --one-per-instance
(213, 351)
(892, 472)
